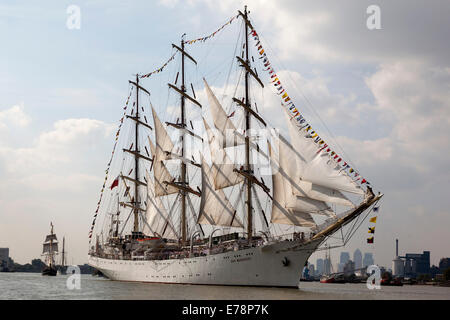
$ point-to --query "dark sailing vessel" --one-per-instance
(49, 251)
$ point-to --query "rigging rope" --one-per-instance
(302, 124)
(109, 164)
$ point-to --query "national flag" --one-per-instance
(371, 230)
(374, 219)
(115, 183)
(370, 240)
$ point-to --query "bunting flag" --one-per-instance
(371, 230)
(375, 209)
(370, 240)
(109, 165)
(212, 34)
(287, 103)
(115, 183)
(374, 219)
(159, 69)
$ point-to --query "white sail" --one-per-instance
(317, 192)
(215, 208)
(316, 167)
(227, 136)
(284, 210)
(223, 174)
(161, 174)
(163, 142)
(156, 214)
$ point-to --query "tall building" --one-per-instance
(4, 258)
(312, 271)
(368, 259)
(345, 257)
(327, 267)
(319, 265)
(357, 259)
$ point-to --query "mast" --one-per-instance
(63, 252)
(136, 160)
(51, 246)
(183, 164)
(247, 139)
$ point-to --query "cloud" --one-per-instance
(66, 143)
(14, 116)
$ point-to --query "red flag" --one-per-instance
(115, 183)
(363, 181)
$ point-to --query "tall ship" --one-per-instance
(208, 191)
(50, 252)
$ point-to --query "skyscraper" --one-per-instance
(357, 259)
(345, 256)
(368, 259)
(319, 265)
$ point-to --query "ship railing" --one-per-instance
(294, 236)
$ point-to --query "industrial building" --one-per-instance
(410, 265)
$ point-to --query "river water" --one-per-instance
(36, 287)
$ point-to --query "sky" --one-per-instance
(381, 95)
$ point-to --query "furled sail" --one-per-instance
(227, 135)
(215, 208)
(222, 173)
(156, 214)
(163, 144)
(317, 167)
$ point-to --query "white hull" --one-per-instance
(259, 266)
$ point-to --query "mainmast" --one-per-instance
(247, 138)
(136, 160)
(183, 185)
(183, 165)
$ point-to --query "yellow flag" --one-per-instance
(374, 219)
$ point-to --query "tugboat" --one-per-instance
(49, 251)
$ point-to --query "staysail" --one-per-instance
(317, 167)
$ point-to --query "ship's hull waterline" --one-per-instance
(267, 265)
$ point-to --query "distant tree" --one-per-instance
(447, 274)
